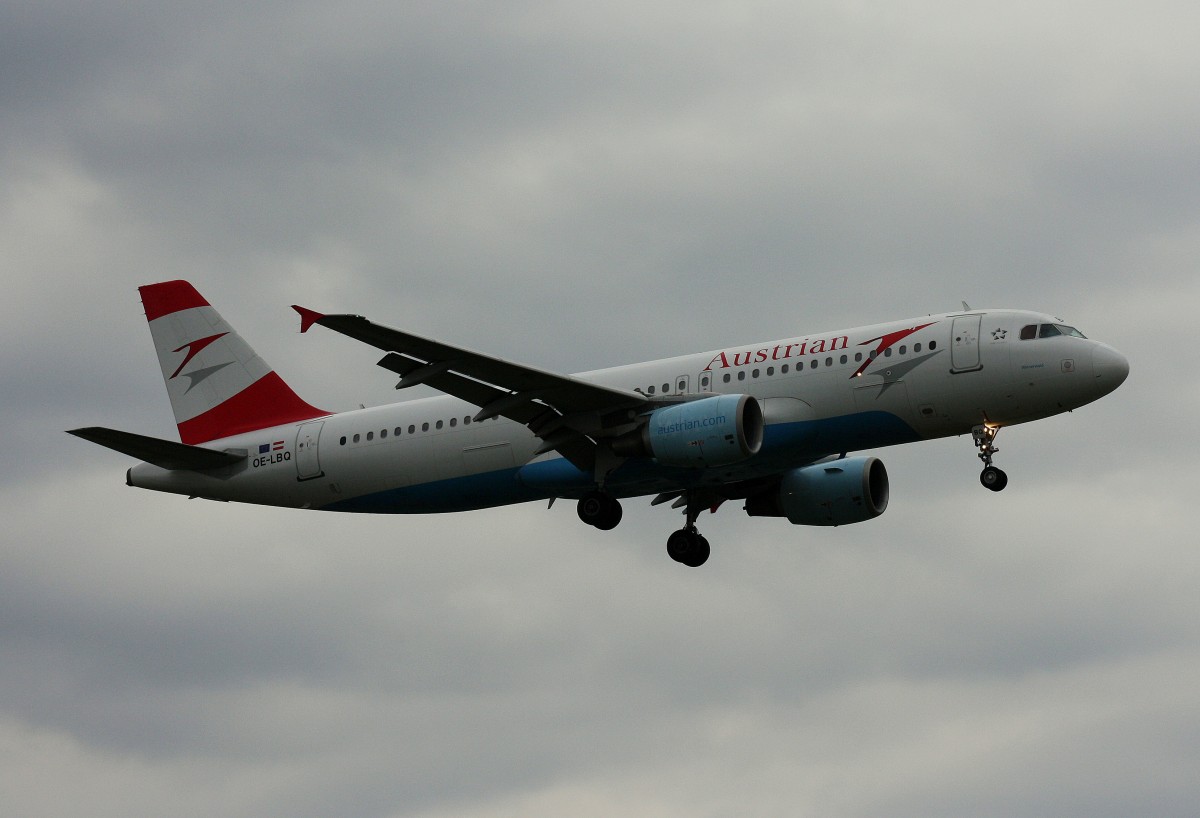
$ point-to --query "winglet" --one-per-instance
(307, 317)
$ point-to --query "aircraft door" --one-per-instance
(704, 381)
(308, 463)
(681, 385)
(964, 346)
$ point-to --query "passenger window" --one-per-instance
(666, 388)
(726, 379)
(650, 390)
(933, 344)
(858, 357)
(412, 429)
(829, 362)
(754, 374)
(439, 424)
(425, 426)
(887, 353)
(453, 422)
(844, 359)
(916, 347)
(1028, 332)
(383, 434)
(342, 441)
(770, 371)
(356, 438)
(783, 370)
(742, 375)
(397, 432)
(466, 420)
(370, 436)
(682, 386)
(903, 349)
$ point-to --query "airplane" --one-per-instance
(772, 424)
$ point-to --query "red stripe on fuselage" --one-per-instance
(168, 297)
(266, 402)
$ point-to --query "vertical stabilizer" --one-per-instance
(217, 384)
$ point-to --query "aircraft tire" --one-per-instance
(611, 515)
(993, 478)
(689, 548)
(600, 510)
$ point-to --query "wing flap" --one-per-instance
(562, 410)
(519, 406)
(570, 394)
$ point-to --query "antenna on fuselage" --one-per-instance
(966, 307)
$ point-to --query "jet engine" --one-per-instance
(712, 431)
(849, 490)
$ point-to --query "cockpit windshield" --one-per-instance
(1049, 331)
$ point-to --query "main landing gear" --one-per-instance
(991, 477)
(600, 509)
(688, 546)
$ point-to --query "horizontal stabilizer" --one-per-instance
(166, 454)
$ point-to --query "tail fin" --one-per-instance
(218, 386)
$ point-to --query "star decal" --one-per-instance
(999, 334)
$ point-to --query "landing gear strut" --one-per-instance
(687, 545)
(600, 509)
(991, 477)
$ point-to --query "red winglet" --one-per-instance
(307, 317)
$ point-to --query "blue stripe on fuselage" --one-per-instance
(785, 446)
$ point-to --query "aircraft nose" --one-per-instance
(1110, 367)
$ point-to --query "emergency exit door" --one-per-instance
(964, 344)
(308, 462)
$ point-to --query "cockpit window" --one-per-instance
(1028, 332)
(1051, 330)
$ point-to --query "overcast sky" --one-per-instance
(574, 185)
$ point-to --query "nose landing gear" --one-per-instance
(991, 477)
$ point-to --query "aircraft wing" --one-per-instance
(566, 413)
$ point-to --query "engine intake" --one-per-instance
(844, 491)
(712, 431)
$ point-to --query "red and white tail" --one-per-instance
(218, 385)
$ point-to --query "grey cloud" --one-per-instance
(577, 187)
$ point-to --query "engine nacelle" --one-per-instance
(844, 491)
(712, 431)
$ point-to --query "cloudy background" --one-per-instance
(574, 185)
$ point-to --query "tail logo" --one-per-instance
(194, 348)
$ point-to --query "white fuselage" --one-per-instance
(821, 395)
